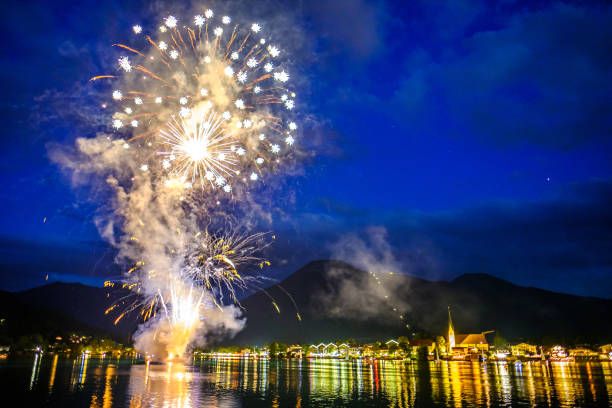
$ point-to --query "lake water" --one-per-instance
(59, 382)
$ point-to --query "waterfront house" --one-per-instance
(294, 351)
(422, 347)
(524, 350)
(605, 352)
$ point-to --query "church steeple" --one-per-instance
(451, 331)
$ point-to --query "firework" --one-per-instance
(206, 273)
(205, 99)
(199, 102)
(208, 263)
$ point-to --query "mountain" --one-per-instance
(479, 302)
(338, 301)
(19, 319)
(83, 303)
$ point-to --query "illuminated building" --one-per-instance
(524, 350)
(422, 346)
(294, 351)
(605, 352)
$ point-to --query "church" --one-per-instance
(462, 344)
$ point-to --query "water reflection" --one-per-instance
(229, 382)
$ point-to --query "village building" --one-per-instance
(421, 347)
(295, 351)
(524, 350)
(583, 353)
(605, 352)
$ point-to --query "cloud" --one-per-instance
(562, 243)
(352, 27)
(541, 78)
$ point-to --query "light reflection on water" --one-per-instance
(54, 381)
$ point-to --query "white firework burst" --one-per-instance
(201, 148)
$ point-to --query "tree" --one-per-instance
(499, 341)
(441, 345)
(392, 348)
(404, 344)
(276, 348)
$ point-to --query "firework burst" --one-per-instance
(172, 82)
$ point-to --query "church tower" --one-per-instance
(451, 332)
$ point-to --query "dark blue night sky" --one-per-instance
(477, 135)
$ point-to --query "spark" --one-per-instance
(226, 20)
(170, 21)
(137, 29)
(274, 52)
(198, 20)
(124, 63)
(255, 27)
(281, 76)
(220, 181)
(117, 95)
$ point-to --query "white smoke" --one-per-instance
(373, 294)
(150, 226)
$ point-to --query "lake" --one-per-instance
(54, 381)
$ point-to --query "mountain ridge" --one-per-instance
(337, 300)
